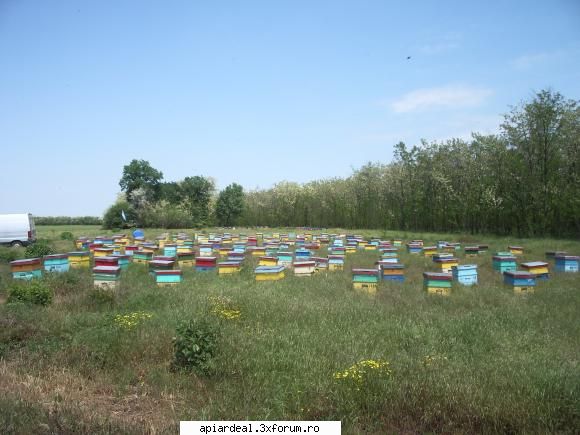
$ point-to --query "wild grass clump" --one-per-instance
(38, 249)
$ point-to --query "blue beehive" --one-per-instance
(567, 263)
(521, 281)
(302, 254)
(56, 263)
(504, 262)
(465, 274)
(170, 250)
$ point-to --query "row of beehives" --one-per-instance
(270, 267)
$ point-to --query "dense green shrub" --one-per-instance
(33, 292)
(10, 254)
(38, 249)
(194, 345)
(113, 216)
(66, 235)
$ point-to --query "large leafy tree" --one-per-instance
(230, 205)
(140, 176)
(196, 193)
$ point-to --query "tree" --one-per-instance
(196, 193)
(139, 174)
(230, 205)
(113, 217)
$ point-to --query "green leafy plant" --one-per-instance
(194, 345)
(67, 235)
(33, 292)
(38, 249)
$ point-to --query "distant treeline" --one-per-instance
(67, 220)
(524, 181)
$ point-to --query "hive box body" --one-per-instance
(504, 263)
(437, 283)
(335, 262)
(168, 277)
(26, 269)
(205, 264)
(304, 268)
(106, 276)
(471, 251)
(269, 273)
(567, 263)
(321, 263)
(56, 263)
(538, 268)
(107, 261)
(267, 261)
(79, 259)
(516, 250)
(142, 256)
(229, 267)
(103, 252)
(465, 274)
(123, 260)
(519, 279)
(414, 248)
(429, 251)
(392, 272)
(446, 264)
(365, 276)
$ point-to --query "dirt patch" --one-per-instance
(93, 400)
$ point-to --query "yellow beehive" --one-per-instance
(103, 252)
(224, 251)
(523, 290)
(259, 251)
(79, 260)
(270, 276)
(370, 247)
(151, 249)
(516, 250)
(228, 267)
(268, 261)
(369, 287)
(350, 249)
(429, 251)
(443, 291)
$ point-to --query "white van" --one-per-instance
(17, 229)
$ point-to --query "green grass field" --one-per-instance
(482, 360)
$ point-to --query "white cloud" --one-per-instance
(446, 96)
(530, 60)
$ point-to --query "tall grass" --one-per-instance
(481, 360)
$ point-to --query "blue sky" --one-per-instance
(255, 92)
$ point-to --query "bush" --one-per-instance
(194, 346)
(66, 235)
(113, 218)
(38, 249)
(32, 292)
(10, 254)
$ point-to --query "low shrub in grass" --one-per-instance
(38, 249)
(10, 254)
(32, 292)
(66, 235)
(194, 345)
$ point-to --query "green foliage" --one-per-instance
(113, 216)
(139, 175)
(164, 215)
(67, 235)
(38, 249)
(34, 291)
(10, 254)
(67, 220)
(230, 205)
(524, 181)
(194, 345)
(196, 193)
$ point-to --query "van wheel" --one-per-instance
(16, 244)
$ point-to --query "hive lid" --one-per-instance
(304, 263)
(519, 274)
(25, 261)
(107, 269)
(55, 256)
(535, 264)
(567, 257)
(269, 269)
(167, 272)
(437, 276)
(365, 271)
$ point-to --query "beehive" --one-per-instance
(483, 248)
(471, 251)
(269, 273)
(26, 269)
(106, 276)
(79, 259)
(206, 250)
(304, 268)
(130, 249)
(103, 252)
(257, 251)
(538, 268)
(236, 256)
(56, 263)
(522, 282)
(157, 264)
(337, 250)
(229, 267)
(142, 256)
(267, 261)
(391, 272)
(504, 263)
(465, 274)
(170, 250)
(186, 258)
(446, 263)
(392, 260)
(285, 258)
(149, 247)
(350, 249)
(397, 242)
(167, 277)
(205, 264)
(365, 279)
(109, 261)
(370, 247)
(335, 262)
(321, 263)
(567, 263)
(123, 260)
(551, 255)
(437, 283)
(302, 254)
(516, 250)
(414, 248)
(429, 251)
(82, 243)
